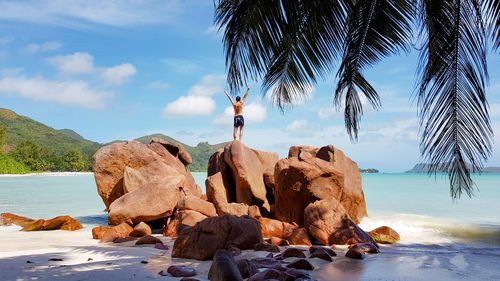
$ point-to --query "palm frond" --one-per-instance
(288, 42)
(455, 123)
(491, 14)
(375, 29)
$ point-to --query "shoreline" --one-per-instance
(46, 174)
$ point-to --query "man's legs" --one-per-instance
(234, 133)
(241, 131)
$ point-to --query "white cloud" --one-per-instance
(44, 47)
(6, 40)
(181, 65)
(69, 92)
(82, 13)
(159, 85)
(189, 106)
(209, 85)
(253, 113)
(307, 95)
(301, 129)
(119, 74)
(76, 63)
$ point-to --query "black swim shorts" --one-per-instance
(239, 121)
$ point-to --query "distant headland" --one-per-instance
(424, 168)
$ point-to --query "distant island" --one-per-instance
(424, 168)
(370, 170)
(30, 146)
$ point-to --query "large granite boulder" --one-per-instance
(352, 196)
(328, 222)
(153, 201)
(302, 181)
(248, 166)
(217, 193)
(175, 149)
(236, 175)
(202, 241)
(310, 174)
(124, 167)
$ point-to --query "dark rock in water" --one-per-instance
(90, 259)
(271, 274)
(331, 252)
(293, 252)
(224, 267)
(29, 261)
(270, 255)
(213, 233)
(321, 254)
(266, 247)
(144, 262)
(367, 248)
(181, 271)
(247, 268)
(266, 262)
(301, 264)
(55, 259)
(234, 251)
(124, 239)
(355, 253)
(384, 235)
(161, 246)
(148, 240)
(297, 274)
(189, 279)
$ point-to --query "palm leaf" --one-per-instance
(454, 113)
(492, 17)
(375, 29)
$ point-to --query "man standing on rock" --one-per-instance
(239, 122)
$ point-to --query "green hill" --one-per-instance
(20, 128)
(54, 145)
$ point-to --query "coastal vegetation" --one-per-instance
(289, 45)
(370, 170)
(30, 146)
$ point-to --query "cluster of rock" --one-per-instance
(29, 224)
(312, 196)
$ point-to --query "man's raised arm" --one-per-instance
(246, 94)
(229, 97)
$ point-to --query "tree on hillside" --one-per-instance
(32, 155)
(2, 137)
(290, 44)
(73, 161)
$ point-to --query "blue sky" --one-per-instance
(124, 69)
